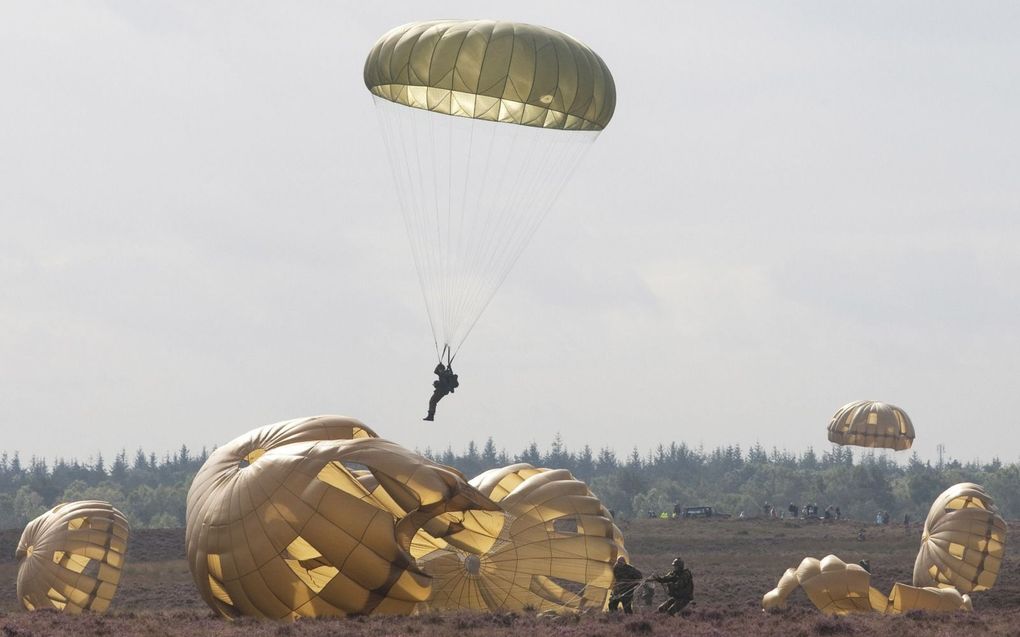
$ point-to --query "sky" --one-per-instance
(796, 205)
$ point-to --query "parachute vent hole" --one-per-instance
(570, 587)
(250, 459)
(565, 525)
(355, 468)
(473, 565)
(91, 569)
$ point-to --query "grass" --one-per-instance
(734, 563)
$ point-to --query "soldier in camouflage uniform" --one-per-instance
(680, 586)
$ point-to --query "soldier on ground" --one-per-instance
(680, 587)
(626, 579)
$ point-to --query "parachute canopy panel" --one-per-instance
(496, 71)
(868, 423)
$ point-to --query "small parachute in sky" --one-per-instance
(484, 122)
(868, 423)
(551, 548)
(963, 542)
(71, 557)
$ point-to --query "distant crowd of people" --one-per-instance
(768, 510)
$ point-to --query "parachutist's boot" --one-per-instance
(429, 418)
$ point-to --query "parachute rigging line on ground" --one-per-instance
(484, 123)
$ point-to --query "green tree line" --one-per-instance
(152, 491)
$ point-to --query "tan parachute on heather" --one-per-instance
(484, 122)
(868, 423)
(314, 517)
(963, 541)
(838, 588)
(71, 557)
(833, 586)
(552, 547)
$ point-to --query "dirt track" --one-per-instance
(734, 563)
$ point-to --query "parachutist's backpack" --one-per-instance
(454, 383)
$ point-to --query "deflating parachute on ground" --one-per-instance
(838, 588)
(552, 547)
(314, 517)
(71, 557)
(963, 541)
(484, 121)
(867, 423)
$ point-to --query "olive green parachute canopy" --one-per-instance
(838, 588)
(868, 423)
(551, 548)
(963, 541)
(497, 71)
(71, 557)
(314, 517)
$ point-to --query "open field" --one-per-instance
(734, 562)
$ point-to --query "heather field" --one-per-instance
(734, 563)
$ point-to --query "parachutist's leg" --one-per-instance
(614, 603)
(436, 395)
(628, 604)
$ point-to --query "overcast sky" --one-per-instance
(795, 206)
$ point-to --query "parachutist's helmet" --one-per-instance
(678, 564)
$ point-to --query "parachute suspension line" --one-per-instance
(405, 183)
(512, 215)
(517, 212)
(495, 217)
(483, 212)
(416, 207)
(449, 254)
(554, 182)
(472, 194)
(437, 226)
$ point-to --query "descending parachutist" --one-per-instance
(445, 385)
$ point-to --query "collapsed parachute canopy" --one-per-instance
(483, 122)
(838, 588)
(314, 517)
(71, 557)
(963, 542)
(867, 423)
(552, 547)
